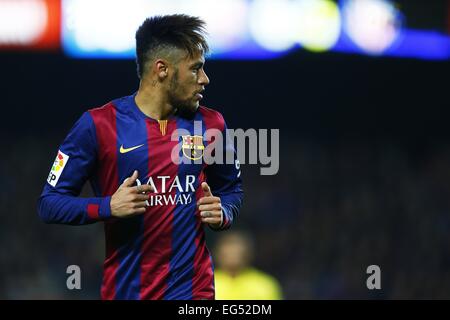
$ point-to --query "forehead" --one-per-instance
(198, 58)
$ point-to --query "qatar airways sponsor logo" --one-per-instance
(230, 147)
(168, 191)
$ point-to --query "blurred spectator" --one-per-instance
(235, 278)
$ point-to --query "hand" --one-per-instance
(210, 208)
(129, 200)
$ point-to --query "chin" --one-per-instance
(193, 107)
(188, 111)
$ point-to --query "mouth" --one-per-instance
(198, 95)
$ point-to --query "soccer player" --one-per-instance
(235, 278)
(154, 209)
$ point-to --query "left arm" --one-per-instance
(224, 181)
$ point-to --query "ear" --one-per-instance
(161, 68)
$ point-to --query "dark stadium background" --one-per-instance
(364, 171)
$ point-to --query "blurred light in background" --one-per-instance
(29, 24)
(103, 27)
(317, 24)
(106, 28)
(377, 27)
(280, 25)
(257, 29)
(238, 29)
(226, 21)
(373, 25)
(270, 24)
(22, 22)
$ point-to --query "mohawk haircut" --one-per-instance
(168, 32)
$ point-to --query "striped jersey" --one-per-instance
(162, 253)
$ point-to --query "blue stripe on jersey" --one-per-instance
(184, 227)
(128, 274)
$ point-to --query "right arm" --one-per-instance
(73, 166)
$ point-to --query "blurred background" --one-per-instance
(359, 90)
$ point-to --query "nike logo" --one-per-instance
(125, 150)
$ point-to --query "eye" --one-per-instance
(196, 68)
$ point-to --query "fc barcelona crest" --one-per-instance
(192, 147)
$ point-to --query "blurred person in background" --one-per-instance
(235, 277)
(152, 206)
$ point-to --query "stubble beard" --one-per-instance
(184, 107)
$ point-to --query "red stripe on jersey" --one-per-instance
(203, 279)
(108, 178)
(92, 211)
(203, 266)
(212, 118)
(158, 220)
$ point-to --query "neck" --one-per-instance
(234, 272)
(152, 103)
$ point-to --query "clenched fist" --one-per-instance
(129, 200)
(210, 208)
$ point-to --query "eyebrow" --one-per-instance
(198, 64)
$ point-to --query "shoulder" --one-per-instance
(103, 111)
(212, 118)
(260, 276)
(219, 274)
(104, 116)
(268, 287)
(91, 122)
(108, 112)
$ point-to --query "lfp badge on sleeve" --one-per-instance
(57, 168)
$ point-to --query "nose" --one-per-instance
(203, 78)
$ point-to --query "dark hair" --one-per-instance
(167, 32)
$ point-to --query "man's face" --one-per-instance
(187, 83)
(233, 254)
